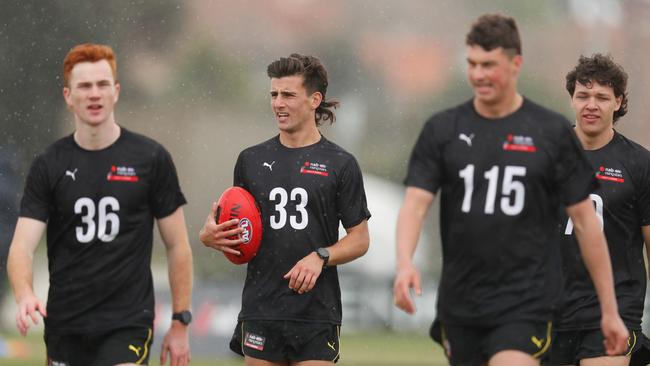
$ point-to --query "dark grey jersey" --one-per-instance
(501, 182)
(99, 207)
(623, 204)
(303, 194)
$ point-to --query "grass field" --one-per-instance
(360, 349)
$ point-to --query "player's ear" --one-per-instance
(619, 101)
(66, 96)
(316, 99)
(117, 91)
(517, 60)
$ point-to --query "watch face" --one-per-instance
(323, 253)
(184, 317)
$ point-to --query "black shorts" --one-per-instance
(470, 346)
(641, 357)
(571, 346)
(122, 345)
(281, 340)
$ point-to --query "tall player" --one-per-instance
(98, 191)
(504, 165)
(597, 87)
(305, 185)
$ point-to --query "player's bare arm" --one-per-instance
(179, 258)
(302, 277)
(216, 236)
(414, 210)
(27, 235)
(595, 254)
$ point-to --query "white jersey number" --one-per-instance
(298, 195)
(513, 191)
(598, 203)
(106, 215)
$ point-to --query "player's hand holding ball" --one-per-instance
(234, 226)
(217, 236)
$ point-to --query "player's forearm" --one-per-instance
(352, 246)
(595, 254)
(408, 233)
(20, 271)
(179, 258)
(410, 219)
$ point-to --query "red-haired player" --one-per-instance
(97, 192)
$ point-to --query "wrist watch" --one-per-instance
(323, 254)
(184, 317)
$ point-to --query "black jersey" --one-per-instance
(99, 207)
(303, 194)
(623, 204)
(501, 183)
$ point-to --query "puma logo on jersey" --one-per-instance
(270, 166)
(467, 139)
(331, 345)
(538, 342)
(135, 349)
(71, 173)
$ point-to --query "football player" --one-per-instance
(98, 192)
(503, 165)
(597, 86)
(305, 185)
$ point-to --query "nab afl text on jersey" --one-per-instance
(303, 194)
(501, 182)
(99, 207)
(622, 203)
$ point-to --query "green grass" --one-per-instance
(359, 349)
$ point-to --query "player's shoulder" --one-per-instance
(549, 116)
(630, 151)
(330, 146)
(445, 117)
(57, 149)
(138, 139)
(625, 143)
(263, 148)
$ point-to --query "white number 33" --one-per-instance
(279, 218)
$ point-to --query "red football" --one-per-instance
(238, 203)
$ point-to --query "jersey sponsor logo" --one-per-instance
(269, 165)
(71, 174)
(254, 341)
(467, 138)
(519, 143)
(314, 168)
(122, 174)
(610, 174)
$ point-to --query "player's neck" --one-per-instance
(96, 137)
(594, 142)
(503, 108)
(300, 138)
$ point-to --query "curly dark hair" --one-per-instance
(603, 70)
(315, 80)
(492, 31)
